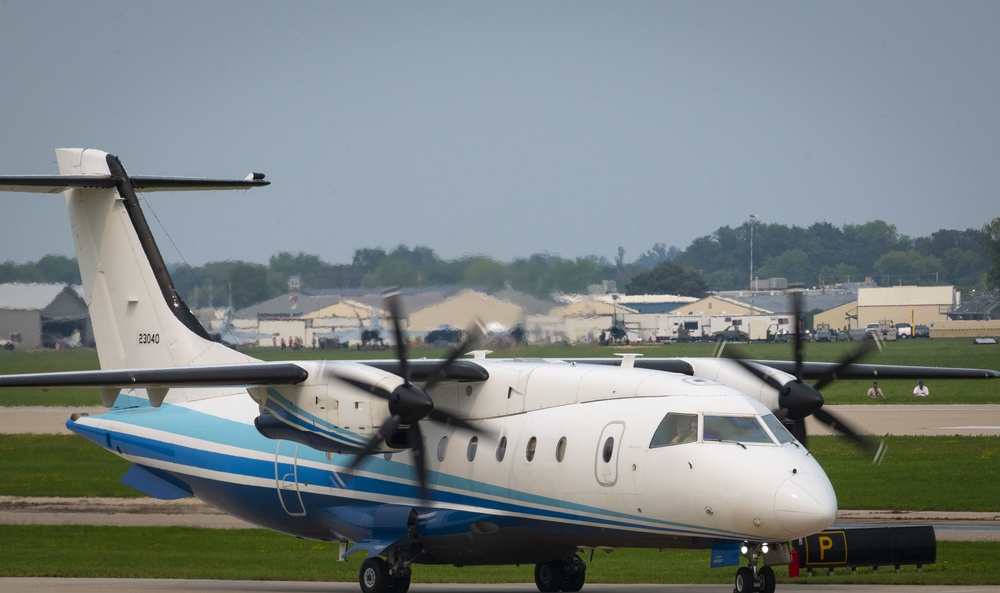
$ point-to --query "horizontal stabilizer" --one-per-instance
(53, 184)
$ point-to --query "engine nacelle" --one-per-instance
(325, 412)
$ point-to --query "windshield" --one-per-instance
(742, 429)
(675, 429)
(778, 429)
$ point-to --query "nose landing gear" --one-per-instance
(750, 579)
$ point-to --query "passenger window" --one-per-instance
(501, 448)
(470, 453)
(442, 448)
(561, 449)
(743, 429)
(675, 429)
(529, 452)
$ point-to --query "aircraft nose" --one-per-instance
(805, 504)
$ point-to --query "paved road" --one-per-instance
(186, 586)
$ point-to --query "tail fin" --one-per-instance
(139, 319)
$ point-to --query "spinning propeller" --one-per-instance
(408, 403)
(797, 399)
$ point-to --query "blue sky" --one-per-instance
(508, 128)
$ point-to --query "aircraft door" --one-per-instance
(286, 477)
(608, 446)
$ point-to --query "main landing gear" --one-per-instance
(379, 576)
(750, 579)
(567, 574)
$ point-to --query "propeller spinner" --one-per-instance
(409, 403)
(798, 400)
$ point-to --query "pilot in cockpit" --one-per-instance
(687, 430)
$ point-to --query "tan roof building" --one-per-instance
(462, 309)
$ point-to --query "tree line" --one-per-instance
(821, 254)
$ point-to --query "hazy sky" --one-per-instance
(505, 128)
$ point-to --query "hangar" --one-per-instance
(43, 316)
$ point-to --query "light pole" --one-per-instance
(753, 219)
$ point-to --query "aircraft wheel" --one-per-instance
(766, 580)
(574, 582)
(401, 585)
(549, 577)
(744, 580)
(374, 576)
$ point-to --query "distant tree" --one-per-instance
(58, 268)
(310, 268)
(657, 254)
(726, 279)
(991, 243)
(485, 272)
(367, 259)
(392, 272)
(792, 264)
(668, 278)
(247, 284)
(50, 268)
(908, 267)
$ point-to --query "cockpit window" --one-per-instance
(675, 429)
(778, 429)
(743, 429)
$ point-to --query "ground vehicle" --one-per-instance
(824, 333)
(904, 331)
(921, 331)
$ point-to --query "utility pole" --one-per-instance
(753, 219)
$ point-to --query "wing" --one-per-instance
(814, 370)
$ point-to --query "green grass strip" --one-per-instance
(254, 554)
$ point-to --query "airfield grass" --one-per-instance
(257, 554)
(950, 352)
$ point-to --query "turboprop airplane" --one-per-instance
(454, 461)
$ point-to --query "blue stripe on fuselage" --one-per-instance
(376, 476)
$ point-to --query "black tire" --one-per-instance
(766, 580)
(374, 576)
(400, 584)
(744, 580)
(549, 577)
(574, 582)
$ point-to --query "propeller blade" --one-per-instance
(372, 389)
(449, 419)
(853, 356)
(416, 440)
(761, 374)
(797, 347)
(381, 434)
(394, 302)
(798, 430)
(838, 425)
(472, 336)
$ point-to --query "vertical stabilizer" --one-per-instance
(139, 319)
